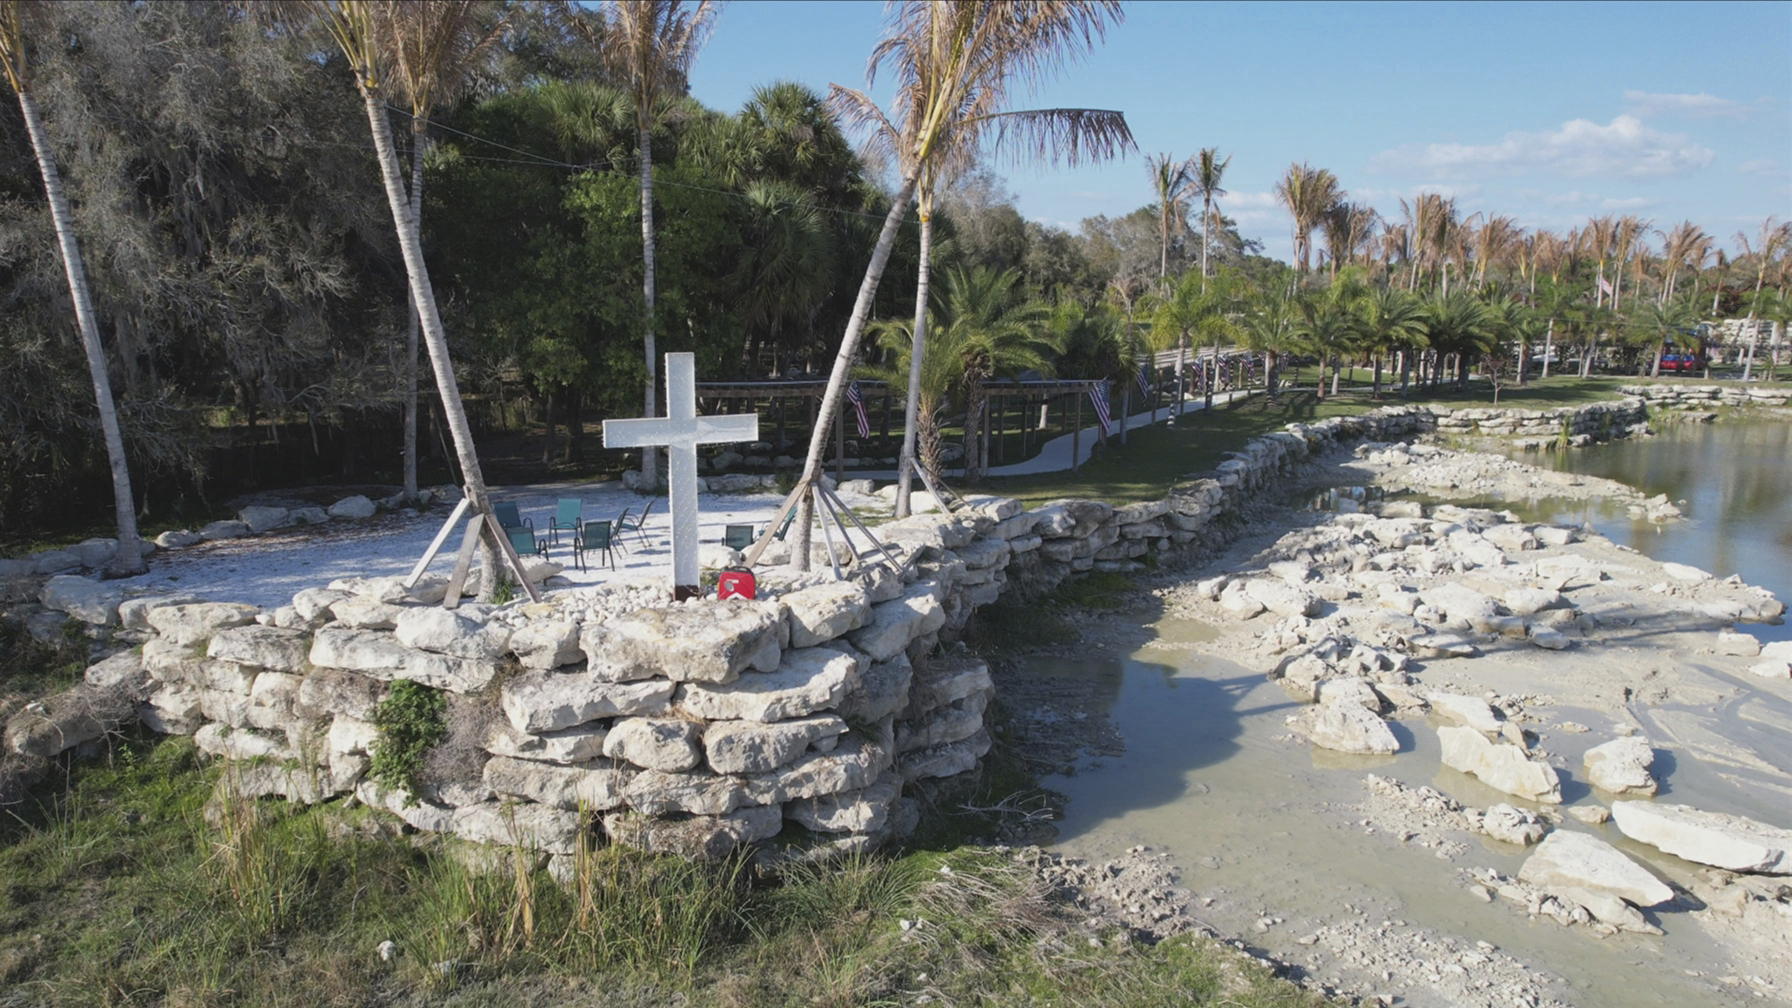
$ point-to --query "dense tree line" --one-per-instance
(249, 288)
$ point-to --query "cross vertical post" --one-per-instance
(680, 432)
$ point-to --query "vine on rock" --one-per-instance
(410, 720)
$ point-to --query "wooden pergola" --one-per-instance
(811, 391)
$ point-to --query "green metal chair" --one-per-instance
(593, 535)
(624, 524)
(524, 542)
(508, 516)
(568, 511)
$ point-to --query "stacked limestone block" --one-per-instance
(1705, 397)
(1581, 425)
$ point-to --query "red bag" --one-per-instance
(736, 582)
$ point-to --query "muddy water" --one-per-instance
(1261, 825)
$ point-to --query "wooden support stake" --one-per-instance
(827, 537)
(508, 552)
(765, 538)
(463, 562)
(435, 545)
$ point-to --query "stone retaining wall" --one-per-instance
(693, 728)
(1704, 397)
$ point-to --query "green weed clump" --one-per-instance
(410, 720)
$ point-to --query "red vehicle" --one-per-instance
(1682, 362)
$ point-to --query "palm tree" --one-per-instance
(649, 45)
(1308, 194)
(1509, 321)
(1171, 181)
(433, 49)
(1687, 245)
(1392, 320)
(1269, 327)
(1655, 326)
(1194, 312)
(359, 28)
(791, 264)
(1328, 324)
(1459, 324)
(15, 16)
(1774, 238)
(1210, 169)
(1431, 222)
(1348, 227)
(982, 325)
(954, 63)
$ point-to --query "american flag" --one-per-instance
(858, 409)
(1201, 375)
(1144, 382)
(1098, 394)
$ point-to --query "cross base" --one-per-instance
(682, 592)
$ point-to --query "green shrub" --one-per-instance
(410, 720)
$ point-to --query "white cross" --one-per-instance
(681, 431)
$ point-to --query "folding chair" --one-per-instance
(593, 535)
(567, 513)
(524, 542)
(624, 525)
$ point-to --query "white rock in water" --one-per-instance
(1682, 572)
(1605, 907)
(1621, 766)
(1501, 766)
(1465, 710)
(1731, 642)
(1350, 727)
(1581, 859)
(1549, 638)
(1712, 838)
(1513, 825)
(1772, 669)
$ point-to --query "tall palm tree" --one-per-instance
(1194, 312)
(1270, 327)
(1210, 170)
(1431, 221)
(1459, 324)
(1686, 246)
(1328, 323)
(1170, 181)
(433, 48)
(359, 28)
(1392, 320)
(1600, 239)
(649, 45)
(954, 63)
(1308, 194)
(15, 18)
(1348, 228)
(1655, 327)
(1774, 238)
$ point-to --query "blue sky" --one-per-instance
(1548, 112)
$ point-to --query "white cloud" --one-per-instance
(1628, 203)
(1645, 104)
(1249, 199)
(1624, 147)
(1763, 166)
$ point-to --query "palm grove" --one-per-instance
(262, 243)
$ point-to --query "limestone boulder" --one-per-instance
(133, 613)
(171, 709)
(1350, 727)
(264, 518)
(190, 624)
(579, 744)
(1352, 689)
(122, 671)
(897, 623)
(1460, 602)
(538, 701)
(1724, 841)
(1234, 599)
(358, 506)
(697, 838)
(520, 824)
(1510, 537)
(883, 690)
(854, 763)
(826, 611)
(862, 811)
(595, 787)
(1512, 825)
(1282, 598)
(326, 692)
(229, 528)
(1742, 645)
(444, 631)
(1684, 572)
(958, 720)
(710, 643)
(67, 719)
(665, 744)
(261, 646)
(1473, 712)
(1774, 669)
(363, 613)
(947, 680)
(351, 735)
(235, 744)
(948, 760)
(1605, 907)
(1622, 766)
(377, 654)
(178, 539)
(807, 681)
(85, 599)
(753, 747)
(1549, 638)
(654, 792)
(1530, 601)
(315, 603)
(546, 644)
(1567, 858)
(1502, 766)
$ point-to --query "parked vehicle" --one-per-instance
(1682, 362)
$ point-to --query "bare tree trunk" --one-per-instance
(1181, 369)
(905, 468)
(849, 347)
(423, 297)
(650, 471)
(1549, 336)
(129, 558)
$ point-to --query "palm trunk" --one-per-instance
(905, 469)
(849, 348)
(650, 472)
(419, 126)
(1181, 369)
(129, 558)
(1207, 386)
(1206, 226)
(423, 298)
(973, 428)
(1549, 336)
